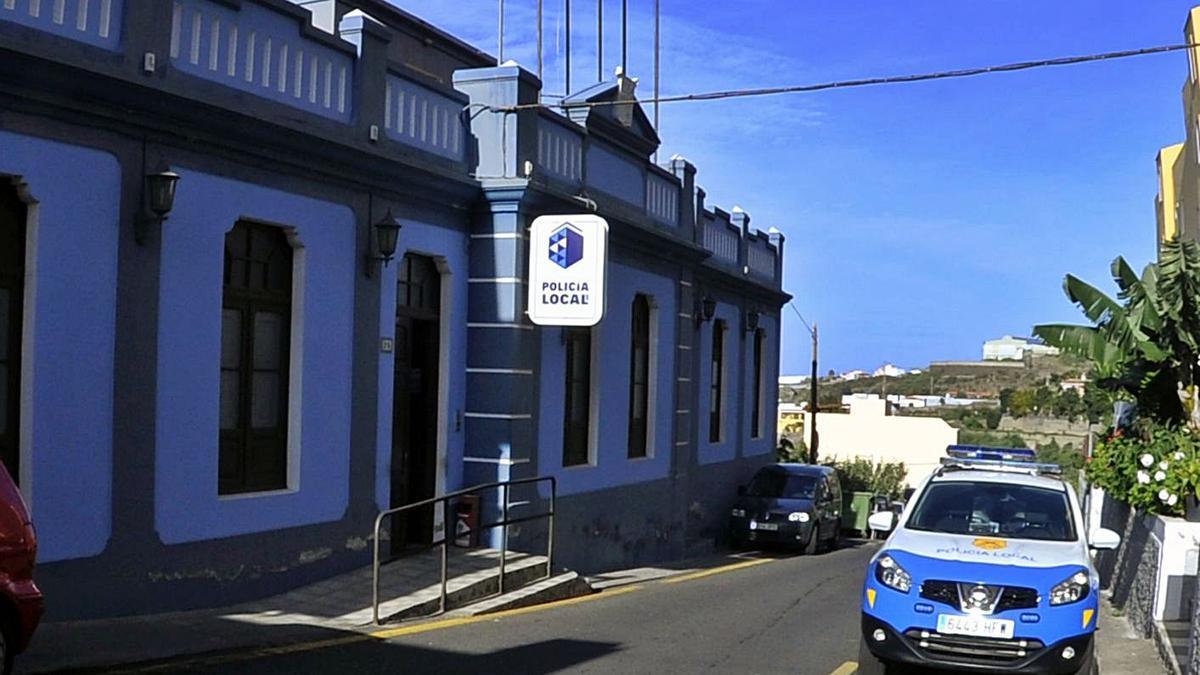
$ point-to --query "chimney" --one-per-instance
(626, 86)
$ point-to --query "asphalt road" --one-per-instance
(789, 615)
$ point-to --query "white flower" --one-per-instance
(1173, 500)
(1147, 460)
(1178, 456)
(1163, 465)
(1160, 476)
(1143, 477)
(1164, 495)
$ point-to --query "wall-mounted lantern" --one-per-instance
(158, 197)
(752, 319)
(387, 235)
(704, 310)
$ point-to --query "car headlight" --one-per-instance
(1072, 590)
(889, 573)
(738, 513)
(798, 517)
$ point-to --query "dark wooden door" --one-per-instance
(12, 294)
(415, 399)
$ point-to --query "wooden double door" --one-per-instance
(415, 398)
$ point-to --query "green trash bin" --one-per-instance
(856, 508)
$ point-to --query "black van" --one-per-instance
(796, 505)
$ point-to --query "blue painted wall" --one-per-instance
(610, 389)
(94, 23)
(187, 507)
(451, 247)
(71, 314)
(613, 172)
(263, 52)
(727, 448)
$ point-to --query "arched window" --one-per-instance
(12, 294)
(639, 376)
(255, 338)
(577, 401)
(760, 339)
(716, 382)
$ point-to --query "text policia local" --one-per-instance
(564, 293)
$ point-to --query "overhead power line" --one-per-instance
(792, 304)
(872, 81)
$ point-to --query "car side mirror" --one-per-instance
(741, 490)
(882, 521)
(1104, 539)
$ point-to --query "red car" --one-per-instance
(21, 602)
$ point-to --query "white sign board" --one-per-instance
(568, 261)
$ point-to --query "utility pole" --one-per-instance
(599, 40)
(500, 38)
(812, 403)
(567, 70)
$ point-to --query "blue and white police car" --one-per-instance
(987, 569)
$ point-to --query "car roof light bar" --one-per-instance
(989, 464)
(984, 452)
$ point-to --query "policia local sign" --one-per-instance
(568, 260)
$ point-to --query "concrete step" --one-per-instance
(561, 587)
(465, 589)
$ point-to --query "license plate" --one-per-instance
(975, 626)
(766, 527)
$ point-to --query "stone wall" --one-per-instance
(1193, 662)
(1140, 606)
(1046, 429)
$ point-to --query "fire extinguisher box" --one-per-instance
(466, 521)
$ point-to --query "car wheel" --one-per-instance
(810, 548)
(869, 664)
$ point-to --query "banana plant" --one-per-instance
(1145, 342)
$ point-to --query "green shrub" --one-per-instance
(863, 475)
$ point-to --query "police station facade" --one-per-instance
(209, 398)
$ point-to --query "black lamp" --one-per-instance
(752, 320)
(704, 310)
(158, 196)
(387, 235)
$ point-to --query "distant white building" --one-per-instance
(916, 400)
(888, 370)
(1009, 348)
(869, 431)
(852, 375)
(793, 380)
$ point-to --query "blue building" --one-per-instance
(208, 399)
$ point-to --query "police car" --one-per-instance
(987, 569)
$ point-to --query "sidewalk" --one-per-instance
(1120, 650)
(340, 606)
(332, 610)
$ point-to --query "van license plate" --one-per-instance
(767, 527)
(975, 626)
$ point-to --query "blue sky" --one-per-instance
(921, 219)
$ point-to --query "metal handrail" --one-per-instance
(504, 522)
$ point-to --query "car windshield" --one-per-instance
(995, 510)
(780, 485)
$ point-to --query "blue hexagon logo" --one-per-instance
(566, 246)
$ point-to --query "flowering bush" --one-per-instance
(1153, 472)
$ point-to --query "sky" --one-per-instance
(921, 219)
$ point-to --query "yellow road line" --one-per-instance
(847, 668)
(389, 633)
(718, 570)
(414, 629)
(379, 635)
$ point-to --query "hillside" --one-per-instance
(983, 379)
